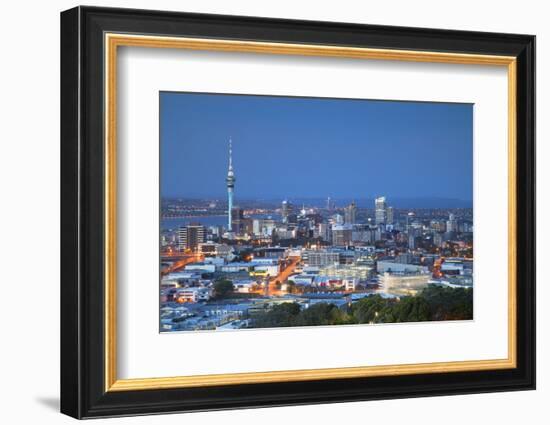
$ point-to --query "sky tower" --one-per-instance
(230, 180)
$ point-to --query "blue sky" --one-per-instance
(289, 147)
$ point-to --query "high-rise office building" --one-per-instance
(341, 234)
(409, 220)
(230, 181)
(238, 222)
(412, 241)
(286, 210)
(451, 223)
(438, 240)
(438, 225)
(263, 226)
(324, 231)
(362, 233)
(350, 213)
(389, 215)
(190, 236)
(380, 210)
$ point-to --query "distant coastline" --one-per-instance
(401, 203)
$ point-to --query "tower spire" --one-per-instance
(230, 182)
(230, 154)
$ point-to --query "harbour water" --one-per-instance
(209, 220)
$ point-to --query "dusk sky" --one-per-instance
(289, 147)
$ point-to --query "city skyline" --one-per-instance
(193, 150)
(230, 263)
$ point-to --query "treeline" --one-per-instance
(431, 304)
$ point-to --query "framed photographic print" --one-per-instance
(261, 212)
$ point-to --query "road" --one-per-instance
(187, 259)
(272, 289)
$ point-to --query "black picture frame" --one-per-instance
(83, 392)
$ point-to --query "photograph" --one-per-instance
(266, 210)
(283, 211)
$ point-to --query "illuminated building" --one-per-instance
(389, 215)
(192, 295)
(337, 219)
(363, 233)
(321, 258)
(412, 241)
(341, 234)
(190, 236)
(380, 210)
(346, 271)
(349, 213)
(214, 249)
(286, 210)
(323, 231)
(410, 218)
(263, 226)
(438, 225)
(393, 267)
(438, 240)
(451, 223)
(285, 232)
(404, 282)
(238, 221)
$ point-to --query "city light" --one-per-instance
(282, 233)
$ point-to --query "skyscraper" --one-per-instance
(412, 241)
(238, 222)
(190, 236)
(341, 234)
(409, 220)
(324, 231)
(286, 210)
(230, 180)
(349, 213)
(451, 223)
(380, 210)
(389, 215)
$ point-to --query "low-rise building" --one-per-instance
(404, 282)
(214, 249)
(393, 267)
(193, 294)
(201, 267)
(321, 258)
(236, 267)
(169, 283)
(454, 281)
(350, 283)
(244, 286)
(183, 275)
(267, 269)
(302, 279)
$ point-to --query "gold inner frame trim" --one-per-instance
(113, 41)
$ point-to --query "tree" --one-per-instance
(449, 303)
(373, 309)
(411, 309)
(223, 288)
(322, 314)
(281, 315)
(432, 303)
(290, 286)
